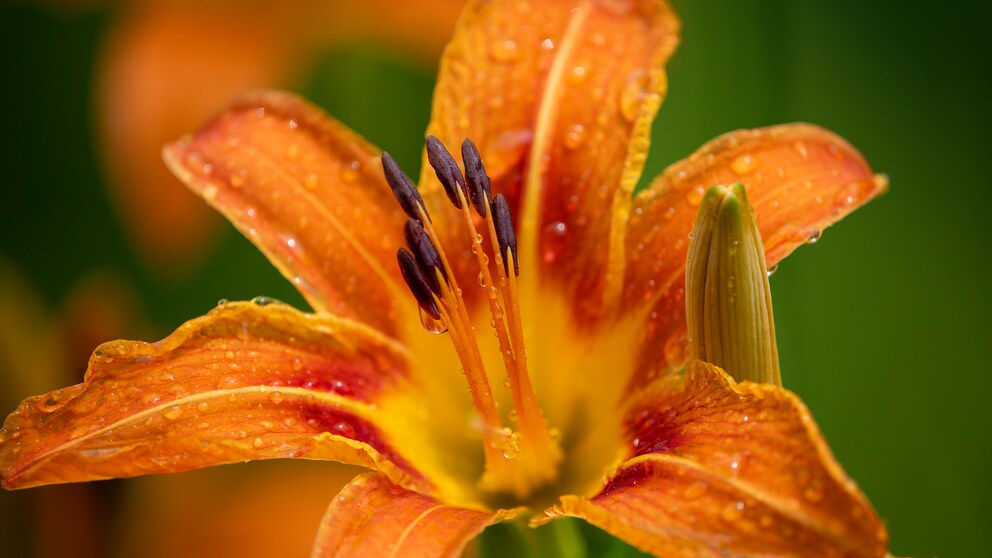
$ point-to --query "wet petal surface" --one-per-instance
(311, 195)
(241, 383)
(718, 467)
(374, 517)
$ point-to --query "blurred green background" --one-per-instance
(879, 323)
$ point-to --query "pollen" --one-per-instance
(520, 462)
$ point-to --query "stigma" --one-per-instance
(517, 462)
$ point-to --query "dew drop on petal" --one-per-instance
(349, 172)
(695, 196)
(343, 429)
(173, 412)
(695, 490)
(744, 164)
(553, 240)
(633, 93)
(732, 512)
(505, 50)
(575, 136)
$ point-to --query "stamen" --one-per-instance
(446, 169)
(427, 257)
(535, 452)
(417, 282)
(403, 189)
(476, 177)
(504, 232)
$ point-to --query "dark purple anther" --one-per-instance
(423, 249)
(476, 177)
(417, 282)
(446, 169)
(503, 223)
(404, 190)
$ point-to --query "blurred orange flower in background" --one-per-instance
(167, 66)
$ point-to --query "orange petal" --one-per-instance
(244, 382)
(559, 97)
(723, 467)
(374, 517)
(311, 195)
(800, 179)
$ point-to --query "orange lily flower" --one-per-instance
(601, 418)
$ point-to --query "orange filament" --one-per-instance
(515, 463)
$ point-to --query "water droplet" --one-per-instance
(744, 164)
(575, 135)
(732, 512)
(848, 195)
(349, 172)
(511, 444)
(695, 490)
(258, 442)
(435, 326)
(343, 429)
(814, 492)
(814, 237)
(553, 240)
(297, 364)
(507, 383)
(632, 93)
(238, 178)
(209, 192)
(577, 75)
(202, 406)
(771, 270)
(173, 412)
(695, 196)
(505, 51)
(276, 397)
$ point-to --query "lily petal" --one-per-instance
(725, 467)
(310, 194)
(374, 517)
(799, 178)
(508, 81)
(243, 382)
